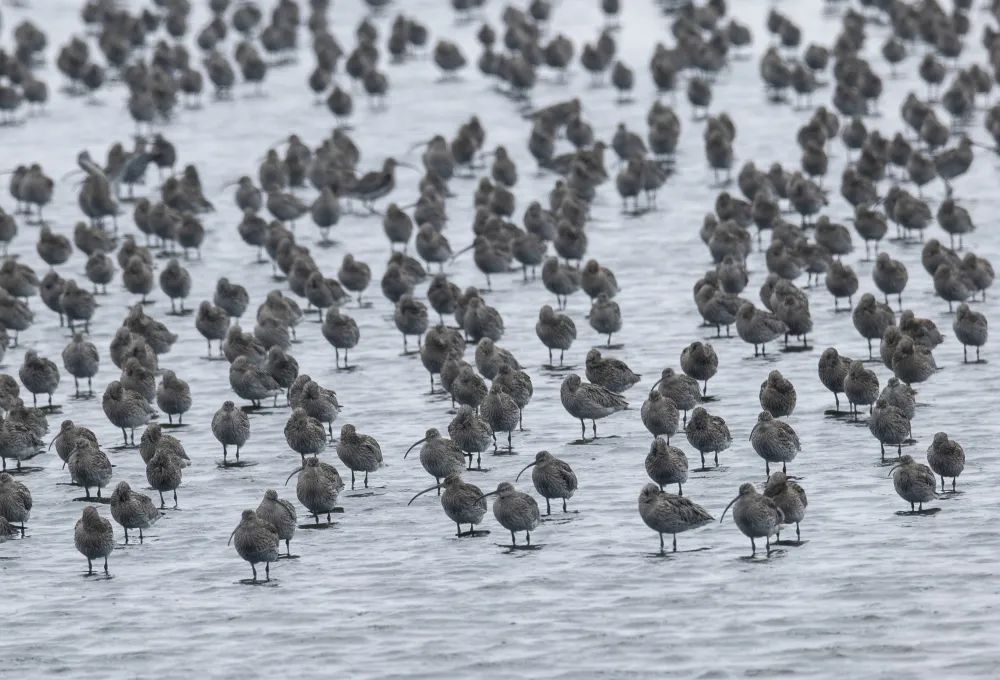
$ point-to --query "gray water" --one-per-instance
(388, 590)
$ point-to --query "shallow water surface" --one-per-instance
(387, 590)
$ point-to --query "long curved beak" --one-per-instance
(893, 468)
(523, 469)
(655, 384)
(69, 174)
(231, 535)
(491, 493)
(419, 441)
(464, 250)
(54, 441)
(294, 472)
(408, 166)
(727, 509)
(416, 145)
(430, 488)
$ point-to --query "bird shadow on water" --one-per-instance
(669, 554)
(592, 440)
(213, 358)
(54, 408)
(514, 549)
(97, 576)
(93, 499)
(790, 544)
(763, 557)
(713, 469)
(23, 470)
(273, 583)
(86, 396)
(918, 513)
(565, 368)
(234, 465)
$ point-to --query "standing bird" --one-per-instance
(15, 501)
(318, 487)
(94, 538)
(132, 510)
(515, 510)
(231, 427)
(256, 542)
(665, 513)
(359, 452)
(463, 503)
(659, 415)
(280, 514)
(81, 360)
(971, 330)
(585, 401)
(666, 464)
(914, 482)
(777, 395)
(555, 330)
(707, 433)
(699, 361)
(552, 477)
(440, 457)
(39, 375)
(790, 499)
(173, 396)
(946, 458)
(774, 440)
(757, 516)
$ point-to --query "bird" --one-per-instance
(586, 401)
(133, 510)
(914, 482)
(789, 497)
(552, 478)
(665, 513)
(515, 510)
(945, 456)
(463, 502)
(94, 538)
(359, 452)
(280, 514)
(256, 542)
(756, 516)
(774, 440)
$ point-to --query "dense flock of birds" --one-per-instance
(147, 52)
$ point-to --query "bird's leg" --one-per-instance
(716, 459)
(352, 480)
(675, 542)
(366, 479)
(767, 542)
(162, 502)
(254, 572)
(753, 547)
(267, 571)
(702, 459)
(798, 534)
(90, 567)
(583, 430)
(513, 540)
(548, 507)
(528, 534)
(106, 565)
(564, 505)
(594, 424)
(126, 535)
